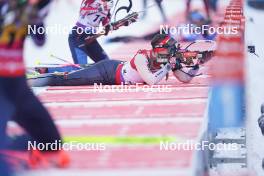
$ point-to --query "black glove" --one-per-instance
(196, 67)
(108, 28)
(176, 66)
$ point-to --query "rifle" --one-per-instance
(187, 57)
(126, 21)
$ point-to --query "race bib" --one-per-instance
(91, 15)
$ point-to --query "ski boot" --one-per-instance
(38, 159)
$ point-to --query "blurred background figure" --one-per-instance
(43, 7)
(197, 19)
(257, 4)
(213, 5)
(17, 101)
(206, 5)
(159, 4)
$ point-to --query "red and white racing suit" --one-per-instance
(137, 70)
(142, 68)
(93, 13)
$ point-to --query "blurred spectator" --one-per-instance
(206, 5)
(258, 4)
(213, 5)
(159, 4)
(17, 101)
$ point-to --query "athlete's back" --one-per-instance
(142, 69)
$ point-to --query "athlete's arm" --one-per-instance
(143, 69)
(185, 75)
(106, 21)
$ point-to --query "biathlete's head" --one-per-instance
(164, 48)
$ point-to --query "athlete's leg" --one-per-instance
(63, 69)
(145, 2)
(30, 113)
(159, 3)
(213, 5)
(101, 72)
(80, 50)
(108, 70)
(4, 168)
(46, 80)
(85, 76)
(33, 117)
(188, 8)
(6, 111)
(207, 8)
(78, 55)
(95, 51)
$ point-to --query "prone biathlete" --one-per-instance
(93, 14)
(147, 66)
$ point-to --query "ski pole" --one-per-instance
(65, 61)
